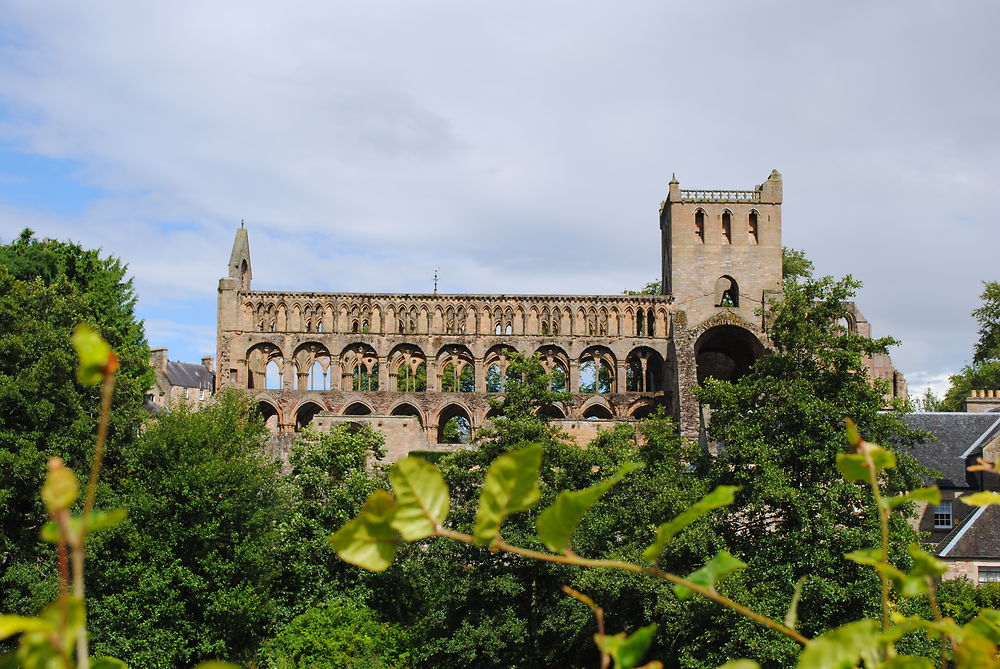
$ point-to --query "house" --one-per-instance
(177, 382)
(966, 537)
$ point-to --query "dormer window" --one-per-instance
(943, 519)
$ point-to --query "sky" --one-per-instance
(522, 147)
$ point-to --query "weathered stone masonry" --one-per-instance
(395, 357)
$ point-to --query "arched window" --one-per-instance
(699, 225)
(754, 238)
(650, 323)
(494, 379)
(496, 330)
(640, 323)
(545, 328)
(354, 326)
(560, 379)
(409, 379)
(317, 377)
(727, 227)
(244, 275)
(364, 376)
(727, 292)
(509, 329)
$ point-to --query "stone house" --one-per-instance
(179, 382)
(964, 536)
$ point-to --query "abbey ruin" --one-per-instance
(410, 364)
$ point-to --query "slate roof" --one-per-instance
(189, 375)
(957, 434)
(977, 537)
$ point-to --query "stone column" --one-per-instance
(574, 376)
(383, 374)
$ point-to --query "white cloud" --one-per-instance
(522, 147)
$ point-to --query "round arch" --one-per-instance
(305, 413)
(726, 352)
(357, 409)
(269, 412)
(454, 425)
(407, 409)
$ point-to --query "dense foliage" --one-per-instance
(46, 288)
(778, 430)
(984, 372)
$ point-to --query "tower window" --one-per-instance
(699, 225)
(727, 227)
(754, 238)
(727, 292)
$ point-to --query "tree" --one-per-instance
(471, 608)
(984, 372)
(988, 317)
(191, 574)
(779, 429)
(327, 482)
(46, 289)
(651, 288)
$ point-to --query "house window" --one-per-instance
(989, 574)
(942, 515)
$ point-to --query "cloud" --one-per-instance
(521, 147)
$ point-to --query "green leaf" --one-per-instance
(627, 651)
(94, 354)
(114, 663)
(925, 564)
(881, 458)
(841, 648)
(930, 495)
(975, 652)
(557, 523)
(707, 576)
(982, 498)
(869, 556)
(792, 616)
(99, 520)
(853, 467)
(511, 486)
(11, 625)
(721, 496)
(369, 541)
(986, 624)
(907, 662)
(421, 498)
(630, 652)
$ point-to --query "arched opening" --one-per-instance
(494, 379)
(650, 323)
(597, 412)
(726, 352)
(272, 376)
(643, 411)
(305, 414)
(244, 275)
(454, 425)
(560, 379)
(317, 377)
(545, 328)
(407, 410)
(597, 371)
(643, 371)
(640, 323)
(551, 411)
(454, 381)
(727, 227)
(752, 228)
(354, 327)
(358, 409)
(411, 380)
(699, 225)
(727, 292)
(270, 415)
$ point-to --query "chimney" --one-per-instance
(209, 362)
(158, 358)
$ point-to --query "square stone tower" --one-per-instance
(722, 249)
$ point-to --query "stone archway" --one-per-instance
(726, 352)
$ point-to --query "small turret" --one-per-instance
(239, 261)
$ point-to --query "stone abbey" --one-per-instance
(413, 364)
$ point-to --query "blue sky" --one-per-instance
(521, 147)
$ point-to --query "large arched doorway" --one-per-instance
(726, 352)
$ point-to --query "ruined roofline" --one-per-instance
(768, 192)
(651, 299)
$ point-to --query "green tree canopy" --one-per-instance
(778, 431)
(984, 372)
(46, 289)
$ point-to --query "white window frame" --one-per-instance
(944, 518)
(989, 574)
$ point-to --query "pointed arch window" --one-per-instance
(727, 292)
(727, 227)
(699, 225)
(754, 232)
